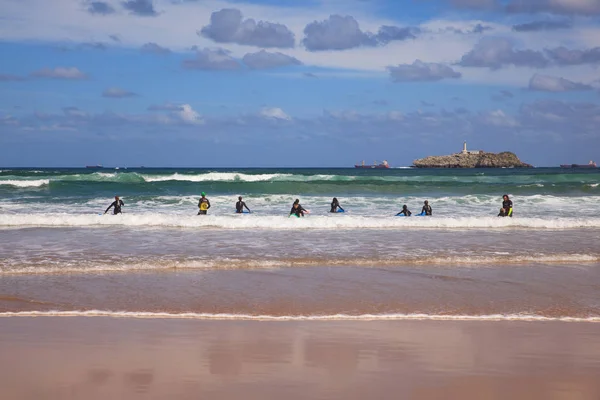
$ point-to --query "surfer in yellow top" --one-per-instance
(507, 207)
(203, 204)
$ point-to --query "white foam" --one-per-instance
(285, 223)
(26, 183)
(216, 177)
(249, 263)
(283, 318)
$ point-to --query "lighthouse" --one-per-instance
(464, 150)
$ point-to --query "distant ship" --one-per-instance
(94, 166)
(591, 164)
(384, 164)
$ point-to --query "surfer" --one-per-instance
(335, 204)
(117, 204)
(507, 207)
(404, 211)
(426, 210)
(239, 206)
(297, 209)
(203, 204)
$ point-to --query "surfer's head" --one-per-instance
(202, 194)
(404, 207)
(297, 201)
(426, 202)
(505, 197)
(240, 198)
(116, 197)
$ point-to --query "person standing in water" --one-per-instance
(203, 204)
(426, 210)
(117, 204)
(297, 209)
(239, 206)
(507, 207)
(335, 204)
(404, 211)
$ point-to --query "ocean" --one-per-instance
(159, 302)
(52, 224)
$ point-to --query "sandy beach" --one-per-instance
(128, 358)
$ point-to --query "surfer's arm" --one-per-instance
(208, 203)
(109, 207)
(244, 203)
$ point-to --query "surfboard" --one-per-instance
(340, 210)
(294, 215)
(203, 206)
(243, 212)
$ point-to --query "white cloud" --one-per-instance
(59, 73)
(274, 113)
(175, 26)
(188, 115)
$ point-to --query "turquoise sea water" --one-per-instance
(44, 196)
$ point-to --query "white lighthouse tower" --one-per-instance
(464, 150)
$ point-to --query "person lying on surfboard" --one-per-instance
(117, 204)
(404, 211)
(297, 209)
(203, 204)
(335, 204)
(426, 210)
(239, 206)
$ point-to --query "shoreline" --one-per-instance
(145, 315)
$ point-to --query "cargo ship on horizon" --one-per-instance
(383, 165)
(591, 164)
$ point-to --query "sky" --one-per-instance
(293, 83)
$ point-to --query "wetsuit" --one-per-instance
(239, 207)
(426, 210)
(405, 211)
(298, 211)
(335, 205)
(117, 204)
(507, 206)
(203, 205)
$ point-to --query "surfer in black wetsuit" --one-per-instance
(297, 209)
(239, 206)
(335, 204)
(507, 207)
(404, 211)
(426, 210)
(203, 204)
(117, 204)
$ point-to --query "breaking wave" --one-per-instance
(283, 222)
(26, 183)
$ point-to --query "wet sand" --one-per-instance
(545, 290)
(124, 358)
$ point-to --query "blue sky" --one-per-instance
(296, 83)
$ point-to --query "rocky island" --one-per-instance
(472, 159)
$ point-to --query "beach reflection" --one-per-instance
(100, 358)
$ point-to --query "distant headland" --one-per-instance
(472, 159)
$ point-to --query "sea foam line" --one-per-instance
(244, 264)
(285, 223)
(283, 318)
(26, 183)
